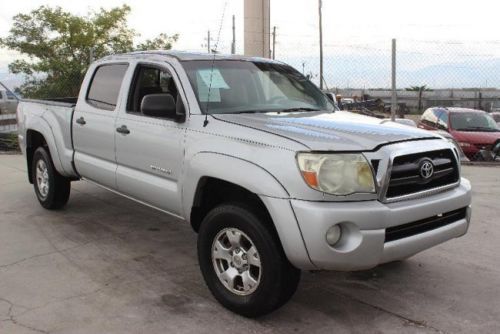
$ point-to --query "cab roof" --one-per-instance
(458, 109)
(185, 56)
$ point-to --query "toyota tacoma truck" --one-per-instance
(269, 173)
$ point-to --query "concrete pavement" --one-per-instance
(105, 264)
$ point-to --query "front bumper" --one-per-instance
(364, 225)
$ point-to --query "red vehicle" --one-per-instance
(474, 130)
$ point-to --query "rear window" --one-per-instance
(105, 86)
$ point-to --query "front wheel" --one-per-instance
(242, 261)
(51, 188)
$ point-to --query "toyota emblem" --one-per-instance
(426, 169)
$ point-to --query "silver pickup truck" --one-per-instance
(272, 177)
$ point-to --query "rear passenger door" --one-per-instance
(94, 124)
(150, 152)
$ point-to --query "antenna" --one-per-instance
(205, 123)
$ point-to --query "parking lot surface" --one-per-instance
(106, 264)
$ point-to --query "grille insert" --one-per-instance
(406, 175)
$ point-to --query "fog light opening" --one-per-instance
(333, 235)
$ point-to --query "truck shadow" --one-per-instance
(137, 251)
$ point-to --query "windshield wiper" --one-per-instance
(299, 109)
(250, 112)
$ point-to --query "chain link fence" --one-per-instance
(429, 73)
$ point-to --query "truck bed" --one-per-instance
(52, 118)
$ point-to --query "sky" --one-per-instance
(433, 29)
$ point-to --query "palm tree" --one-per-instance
(420, 90)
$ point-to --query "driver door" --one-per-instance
(150, 152)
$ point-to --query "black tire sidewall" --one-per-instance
(268, 294)
(42, 154)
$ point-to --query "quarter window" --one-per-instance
(105, 86)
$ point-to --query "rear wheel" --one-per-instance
(242, 261)
(51, 188)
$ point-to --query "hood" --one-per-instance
(476, 137)
(325, 131)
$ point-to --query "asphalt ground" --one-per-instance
(106, 264)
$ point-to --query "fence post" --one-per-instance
(393, 70)
(233, 44)
(320, 44)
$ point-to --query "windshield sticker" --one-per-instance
(215, 76)
(203, 91)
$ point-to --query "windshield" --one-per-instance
(473, 121)
(246, 86)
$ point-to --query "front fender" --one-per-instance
(241, 172)
(257, 180)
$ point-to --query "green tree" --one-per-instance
(420, 90)
(162, 42)
(56, 46)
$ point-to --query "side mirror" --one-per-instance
(159, 105)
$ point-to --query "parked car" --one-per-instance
(496, 117)
(272, 177)
(474, 130)
(8, 102)
(495, 106)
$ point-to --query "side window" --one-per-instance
(1, 96)
(10, 96)
(149, 80)
(442, 122)
(105, 86)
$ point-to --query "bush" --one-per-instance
(8, 142)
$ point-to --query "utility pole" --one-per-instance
(320, 45)
(393, 80)
(91, 55)
(274, 42)
(233, 44)
(208, 41)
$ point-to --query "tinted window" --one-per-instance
(442, 121)
(10, 96)
(1, 95)
(105, 86)
(150, 80)
(473, 121)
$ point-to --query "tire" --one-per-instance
(51, 188)
(274, 282)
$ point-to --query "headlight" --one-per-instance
(337, 174)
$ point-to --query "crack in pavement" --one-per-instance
(3, 266)
(11, 318)
(407, 320)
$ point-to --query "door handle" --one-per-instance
(123, 130)
(81, 121)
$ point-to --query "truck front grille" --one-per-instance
(412, 173)
(424, 225)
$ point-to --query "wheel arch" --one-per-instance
(207, 171)
(36, 138)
